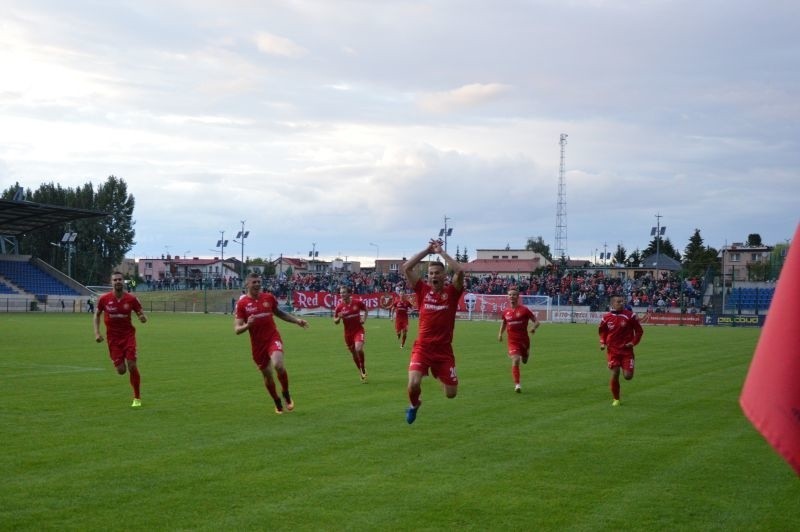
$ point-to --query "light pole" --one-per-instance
(68, 240)
(221, 243)
(445, 232)
(241, 235)
(377, 253)
(313, 254)
(657, 231)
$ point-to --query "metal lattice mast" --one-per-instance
(561, 207)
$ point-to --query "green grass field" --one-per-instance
(207, 452)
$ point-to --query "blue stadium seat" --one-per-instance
(749, 298)
(33, 280)
(4, 289)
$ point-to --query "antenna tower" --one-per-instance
(561, 207)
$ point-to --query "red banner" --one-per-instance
(308, 300)
(480, 303)
(469, 302)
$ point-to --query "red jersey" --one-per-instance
(437, 313)
(263, 329)
(516, 320)
(401, 309)
(351, 316)
(620, 328)
(117, 314)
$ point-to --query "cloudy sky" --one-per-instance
(354, 127)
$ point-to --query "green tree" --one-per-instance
(754, 240)
(776, 259)
(458, 255)
(113, 235)
(464, 255)
(693, 255)
(759, 271)
(634, 259)
(268, 268)
(620, 255)
(694, 246)
(101, 243)
(11, 193)
(537, 244)
(664, 248)
(697, 259)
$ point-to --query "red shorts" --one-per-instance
(352, 339)
(122, 349)
(439, 359)
(400, 324)
(263, 354)
(519, 350)
(622, 360)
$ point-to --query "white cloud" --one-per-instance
(463, 97)
(193, 104)
(276, 45)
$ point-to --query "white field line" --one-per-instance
(44, 369)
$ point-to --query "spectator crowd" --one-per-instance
(583, 287)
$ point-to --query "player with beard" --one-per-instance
(117, 306)
(619, 330)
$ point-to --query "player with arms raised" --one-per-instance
(117, 307)
(516, 319)
(619, 330)
(437, 303)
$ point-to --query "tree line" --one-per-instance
(101, 243)
(696, 260)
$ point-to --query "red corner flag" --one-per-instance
(771, 394)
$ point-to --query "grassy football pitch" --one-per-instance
(207, 452)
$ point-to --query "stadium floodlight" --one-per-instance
(68, 241)
(658, 231)
(445, 232)
(221, 243)
(241, 235)
(313, 253)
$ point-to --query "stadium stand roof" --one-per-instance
(21, 217)
(662, 262)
